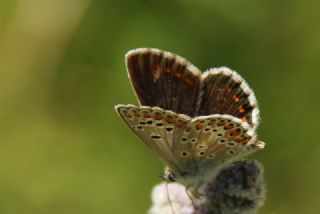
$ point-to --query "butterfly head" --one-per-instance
(168, 176)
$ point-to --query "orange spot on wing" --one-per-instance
(211, 122)
(241, 140)
(178, 75)
(147, 115)
(238, 139)
(244, 141)
(188, 81)
(179, 123)
(235, 99)
(135, 113)
(221, 123)
(157, 116)
(241, 109)
(228, 127)
(188, 129)
(169, 119)
(244, 119)
(199, 126)
(166, 70)
(235, 132)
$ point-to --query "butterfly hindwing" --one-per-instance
(164, 79)
(223, 91)
(207, 141)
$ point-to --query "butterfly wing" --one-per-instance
(223, 91)
(190, 147)
(163, 79)
(224, 107)
(208, 141)
(158, 129)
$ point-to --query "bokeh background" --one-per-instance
(63, 149)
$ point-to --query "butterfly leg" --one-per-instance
(193, 192)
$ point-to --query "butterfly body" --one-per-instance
(195, 123)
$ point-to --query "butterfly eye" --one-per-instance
(184, 154)
(171, 178)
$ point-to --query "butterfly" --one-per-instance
(194, 122)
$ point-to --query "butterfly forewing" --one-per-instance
(163, 79)
(159, 129)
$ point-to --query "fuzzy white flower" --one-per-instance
(163, 193)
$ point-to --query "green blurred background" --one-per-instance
(63, 149)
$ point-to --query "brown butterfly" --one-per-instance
(194, 122)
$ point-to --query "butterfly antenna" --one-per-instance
(170, 202)
(190, 197)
